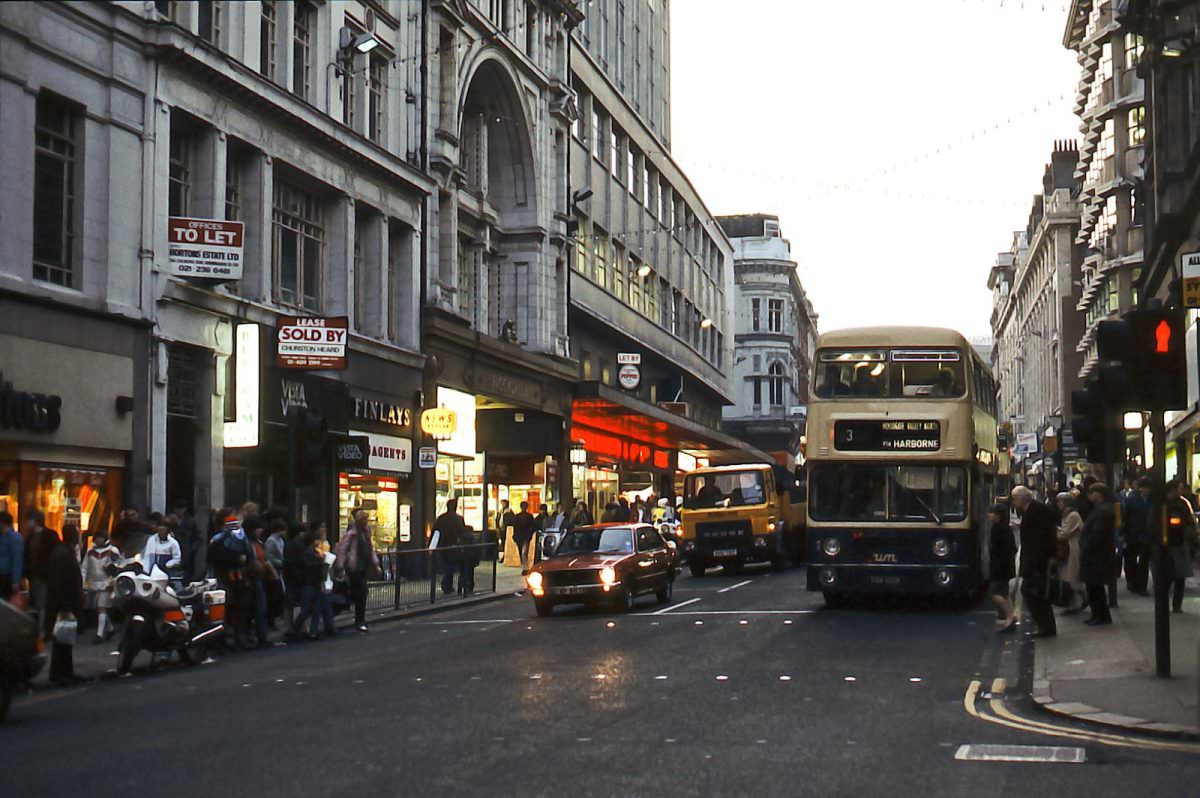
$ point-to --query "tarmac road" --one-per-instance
(745, 685)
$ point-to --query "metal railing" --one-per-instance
(417, 576)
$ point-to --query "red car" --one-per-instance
(604, 564)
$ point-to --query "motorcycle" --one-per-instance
(162, 617)
(21, 654)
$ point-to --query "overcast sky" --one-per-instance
(900, 143)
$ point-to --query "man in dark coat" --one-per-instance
(1096, 544)
(1039, 530)
(64, 593)
(1135, 510)
(450, 528)
(523, 526)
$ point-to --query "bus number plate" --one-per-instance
(725, 553)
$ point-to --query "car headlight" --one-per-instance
(941, 547)
(608, 575)
(534, 580)
(832, 547)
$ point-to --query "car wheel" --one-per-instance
(543, 607)
(664, 593)
(696, 568)
(834, 601)
(628, 599)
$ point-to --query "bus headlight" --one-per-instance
(941, 547)
(832, 547)
(827, 576)
(608, 575)
(771, 526)
(943, 577)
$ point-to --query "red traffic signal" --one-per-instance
(1158, 359)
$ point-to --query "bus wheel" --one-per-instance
(696, 568)
(834, 601)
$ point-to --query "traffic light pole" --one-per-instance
(1158, 547)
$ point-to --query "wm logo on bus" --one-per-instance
(878, 557)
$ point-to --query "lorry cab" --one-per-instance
(733, 515)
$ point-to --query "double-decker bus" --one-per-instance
(902, 463)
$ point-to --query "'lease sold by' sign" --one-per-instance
(312, 342)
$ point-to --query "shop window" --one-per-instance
(10, 491)
(380, 498)
(86, 497)
(55, 187)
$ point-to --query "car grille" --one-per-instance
(569, 578)
(725, 533)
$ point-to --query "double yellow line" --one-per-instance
(996, 712)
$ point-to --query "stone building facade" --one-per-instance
(775, 333)
(1035, 294)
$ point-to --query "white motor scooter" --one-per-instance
(165, 617)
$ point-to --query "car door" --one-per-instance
(652, 562)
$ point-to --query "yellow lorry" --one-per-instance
(733, 515)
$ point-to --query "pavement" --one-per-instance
(1106, 675)
(744, 685)
(99, 660)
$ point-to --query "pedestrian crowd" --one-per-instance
(526, 528)
(1073, 549)
(283, 580)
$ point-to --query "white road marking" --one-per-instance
(743, 583)
(724, 612)
(722, 678)
(483, 620)
(1058, 754)
(849, 678)
(665, 610)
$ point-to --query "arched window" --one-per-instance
(775, 382)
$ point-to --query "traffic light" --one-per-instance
(307, 436)
(1143, 361)
(1159, 353)
(1089, 424)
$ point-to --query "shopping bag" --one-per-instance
(65, 627)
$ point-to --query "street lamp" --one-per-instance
(706, 323)
(349, 42)
(644, 271)
(1174, 48)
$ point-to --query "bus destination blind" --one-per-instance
(887, 435)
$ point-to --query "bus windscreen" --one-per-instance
(898, 373)
(888, 493)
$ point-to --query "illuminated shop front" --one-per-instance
(488, 452)
(66, 423)
(624, 447)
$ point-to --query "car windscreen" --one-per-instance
(868, 492)
(596, 541)
(896, 373)
(724, 489)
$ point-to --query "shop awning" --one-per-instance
(600, 407)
